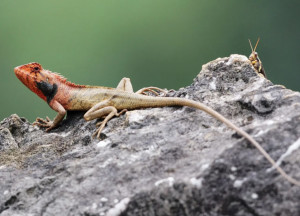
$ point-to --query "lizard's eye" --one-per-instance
(36, 68)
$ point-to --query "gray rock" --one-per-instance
(162, 161)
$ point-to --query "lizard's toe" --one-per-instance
(46, 123)
(152, 91)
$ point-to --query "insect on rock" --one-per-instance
(255, 61)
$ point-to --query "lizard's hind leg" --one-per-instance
(111, 111)
(125, 85)
(101, 109)
(152, 90)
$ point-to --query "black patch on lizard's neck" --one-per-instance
(47, 89)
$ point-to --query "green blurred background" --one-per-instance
(156, 43)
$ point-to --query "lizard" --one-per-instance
(62, 96)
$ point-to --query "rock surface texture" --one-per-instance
(162, 161)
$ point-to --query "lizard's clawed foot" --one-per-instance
(152, 91)
(99, 129)
(103, 123)
(46, 123)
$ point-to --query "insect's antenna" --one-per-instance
(250, 45)
(256, 44)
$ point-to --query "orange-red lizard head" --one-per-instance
(38, 80)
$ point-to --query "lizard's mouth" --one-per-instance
(18, 71)
(22, 74)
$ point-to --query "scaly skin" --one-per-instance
(103, 101)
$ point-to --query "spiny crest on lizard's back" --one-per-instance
(63, 80)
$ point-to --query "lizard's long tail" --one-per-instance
(190, 103)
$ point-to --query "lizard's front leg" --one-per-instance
(101, 109)
(47, 123)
